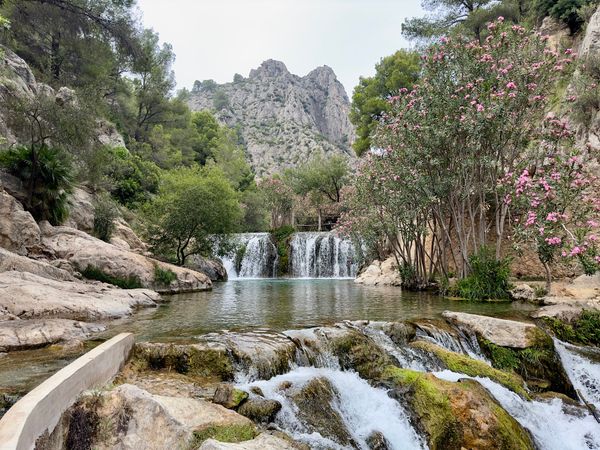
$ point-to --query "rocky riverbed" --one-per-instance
(363, 385)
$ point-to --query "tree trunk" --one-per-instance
(548, 277)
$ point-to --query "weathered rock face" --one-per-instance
(11, 261)
(212, 268)
(27, 334)
(591, 40)
(380, 274)
(283, 118)
(30, 296)
(262, 442)
(505, 333)
(19, 232)
(85, 251)
(523, 292)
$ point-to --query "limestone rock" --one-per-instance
(263, 441)
(85, 251)
(31, 296)
(523, 292)
(260, 410)
(591, 41)
(81, 211)
(11, 261)
(380, 274)
(139, 420)
(283, 118)
(228, 396)
(124, 234)
(19, 232)
(108, 135)
(505, 333)
(212, 268)
(27, 334)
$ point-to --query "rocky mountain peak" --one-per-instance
(283, 118)
(270, 69)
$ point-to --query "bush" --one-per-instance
(488, 279)
(47, 175)
(164, 277)
(105, 213)
(585, 330)
(281, 236)
(94, 273)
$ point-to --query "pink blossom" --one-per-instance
(511, 85)
(553, 240)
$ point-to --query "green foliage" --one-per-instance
(584, 330)
(220, 100)
(369, 100)
(570, 12)
(164, 277)
(105, 213)
(192, 205)
(94, 273)
(281, 236)
(225, 433)
(239, 257)
(587, 88)
(488, 279)
(47, 176)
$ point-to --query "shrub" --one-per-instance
(94, 273)
(281, 237)
(164, 277)
(47, 175)
(239, 257)
(585, 330)
(105, 213)
(488, 279)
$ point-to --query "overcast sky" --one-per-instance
(218, 38)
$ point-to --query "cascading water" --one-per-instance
(582, 364)
(322, 255)
(255, 257)
(549, 422)
(363, 410)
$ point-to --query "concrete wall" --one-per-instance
(41, 409)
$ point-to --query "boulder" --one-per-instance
(228, 396)
(137, 420)
(260, 409)
(380, 274)
(81, 211)
(591, 40)
(523, 292)
(455, 416)
(501, 332)
(31, 296)
(11, 261)
(19, 232)
(212, 268)
(126, 238)
(28, 334)
(87, 252)
(263, 441)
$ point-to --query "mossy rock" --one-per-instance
(456, 415)
(357, 352)
(538, 365)
(583, 330)
(457, 362)
(195, 360)
(224, 433)
(260, 410)
(229, 396)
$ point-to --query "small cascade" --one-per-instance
(322, 255)
(551, 424)
(255, 257)
(358, 410)
(582, 365)
(456, 339)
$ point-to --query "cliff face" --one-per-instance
(282, 118)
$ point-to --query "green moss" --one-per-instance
(358, 352)
(457, 415)
(584, 330)
(281, 236)
(225, 433)
(474, 368)
(94, 273)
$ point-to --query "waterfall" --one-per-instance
(456, 339)
(322, 255)
(362, 408)
(582, 365)
(550, 423)
(255, 256)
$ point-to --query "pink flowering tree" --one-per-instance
(555, 201)
(445, 143)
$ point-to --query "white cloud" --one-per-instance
(218, 38)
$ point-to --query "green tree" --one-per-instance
(369, 100)
(192, 206)
(570, 12)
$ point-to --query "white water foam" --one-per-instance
(582, 371)
(552, 427)
(363, 408)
